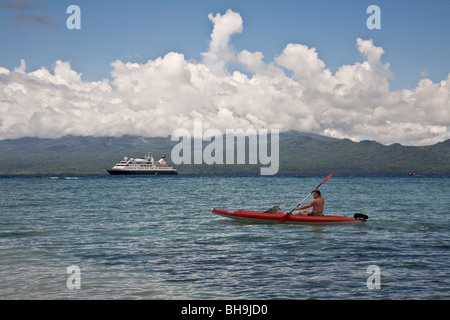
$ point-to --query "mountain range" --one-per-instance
(300, 153)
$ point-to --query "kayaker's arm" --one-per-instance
(308, 205)
(305, 206)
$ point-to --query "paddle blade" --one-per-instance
(327, 178)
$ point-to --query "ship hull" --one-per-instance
(119, 172)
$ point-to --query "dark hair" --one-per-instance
(317, 191)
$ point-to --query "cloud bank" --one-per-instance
(295, 91)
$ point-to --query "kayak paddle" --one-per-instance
(288, 214)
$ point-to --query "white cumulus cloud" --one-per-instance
(295, 91)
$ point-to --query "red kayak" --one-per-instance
(264, 217)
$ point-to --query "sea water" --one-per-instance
(156, 238)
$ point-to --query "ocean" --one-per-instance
(106, 237)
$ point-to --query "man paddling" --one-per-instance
(317, 206)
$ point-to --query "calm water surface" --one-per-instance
(155, 238)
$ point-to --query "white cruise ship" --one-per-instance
(145, 166)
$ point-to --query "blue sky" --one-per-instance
(415, 34)
(150, 67)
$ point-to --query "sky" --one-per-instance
(150, 67)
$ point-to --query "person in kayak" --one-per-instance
(317, 206)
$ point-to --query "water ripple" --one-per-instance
(155, 238)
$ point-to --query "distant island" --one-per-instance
(300, 153)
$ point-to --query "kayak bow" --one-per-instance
(263, 217)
